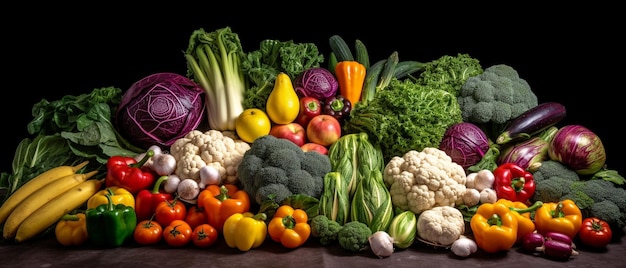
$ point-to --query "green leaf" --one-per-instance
(609, 175)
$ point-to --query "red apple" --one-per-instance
(292, 131)
(323, 129)
(312, 146)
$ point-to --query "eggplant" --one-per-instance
(533, 121)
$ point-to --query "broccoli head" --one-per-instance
(274, 169)
(551, 189)
(325, 229)
(495, 97)
(553, 168)
(609, 212)
(353, 236)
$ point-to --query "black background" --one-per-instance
(569, 54)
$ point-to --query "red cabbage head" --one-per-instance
(316, 82)
(159, 109)
(465, 143)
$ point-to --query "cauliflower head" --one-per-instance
(222, 150)
(441, 225)
(421, 180)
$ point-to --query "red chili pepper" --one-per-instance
(514, 183)
(127, 173)
(146, 201)
(309, 108)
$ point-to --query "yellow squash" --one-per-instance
(283, 104)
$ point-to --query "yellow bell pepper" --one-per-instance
(71, 230)
(119, 195)
(494, 227)
(563, 217)
(245, 230)
(525, 224)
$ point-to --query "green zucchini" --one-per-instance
(371, 80)
(407, 67)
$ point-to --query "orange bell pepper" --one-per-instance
(220, 202)
(289, 226)
(350, 77)
(563, 217)
(494, 227)
(525, 224)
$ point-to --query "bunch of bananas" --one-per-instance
(43, 200)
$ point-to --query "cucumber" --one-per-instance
(533, 121)
(341, 49)
(407, 67)
(361, 53)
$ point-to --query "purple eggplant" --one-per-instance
(530, 153)
(532, 122)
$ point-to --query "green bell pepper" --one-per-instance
(110, 224)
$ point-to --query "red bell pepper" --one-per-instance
(514, 183)
(146, 201)
(309, 108)
(126, 172)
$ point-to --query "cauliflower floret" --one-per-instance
(221, 150)
(441, 225)
(419, 181)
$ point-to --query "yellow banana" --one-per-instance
(51, 212)
(40, 197)
(35, 184)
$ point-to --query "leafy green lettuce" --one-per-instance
(405, 116)
(68, 131)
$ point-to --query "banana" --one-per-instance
(51, 212)
(35, 184)
(39, 198)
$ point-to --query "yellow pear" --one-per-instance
(283, 104)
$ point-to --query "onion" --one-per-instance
(381, 244)
(578, 148)
(531, 241)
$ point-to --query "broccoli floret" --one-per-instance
(553, 168)
(495, 97)
(551, 189)
(353, 236)
(609, 212)
(325, 229)
(274, 169)
(449, 73)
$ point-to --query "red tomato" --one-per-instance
(204, 235)
(178, 233)
(170, 210)
(595, 232)
(196, 216)
(148, 232)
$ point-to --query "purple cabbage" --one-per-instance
(159, 109)
(465, 143)
(528, 154)
(578, 148)
(316, 82)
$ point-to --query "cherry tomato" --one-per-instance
(595, 232)
(204, 235)
(196, 216)
(170, 210)
(177, 233)
(148, 232)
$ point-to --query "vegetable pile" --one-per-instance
(285, 145)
